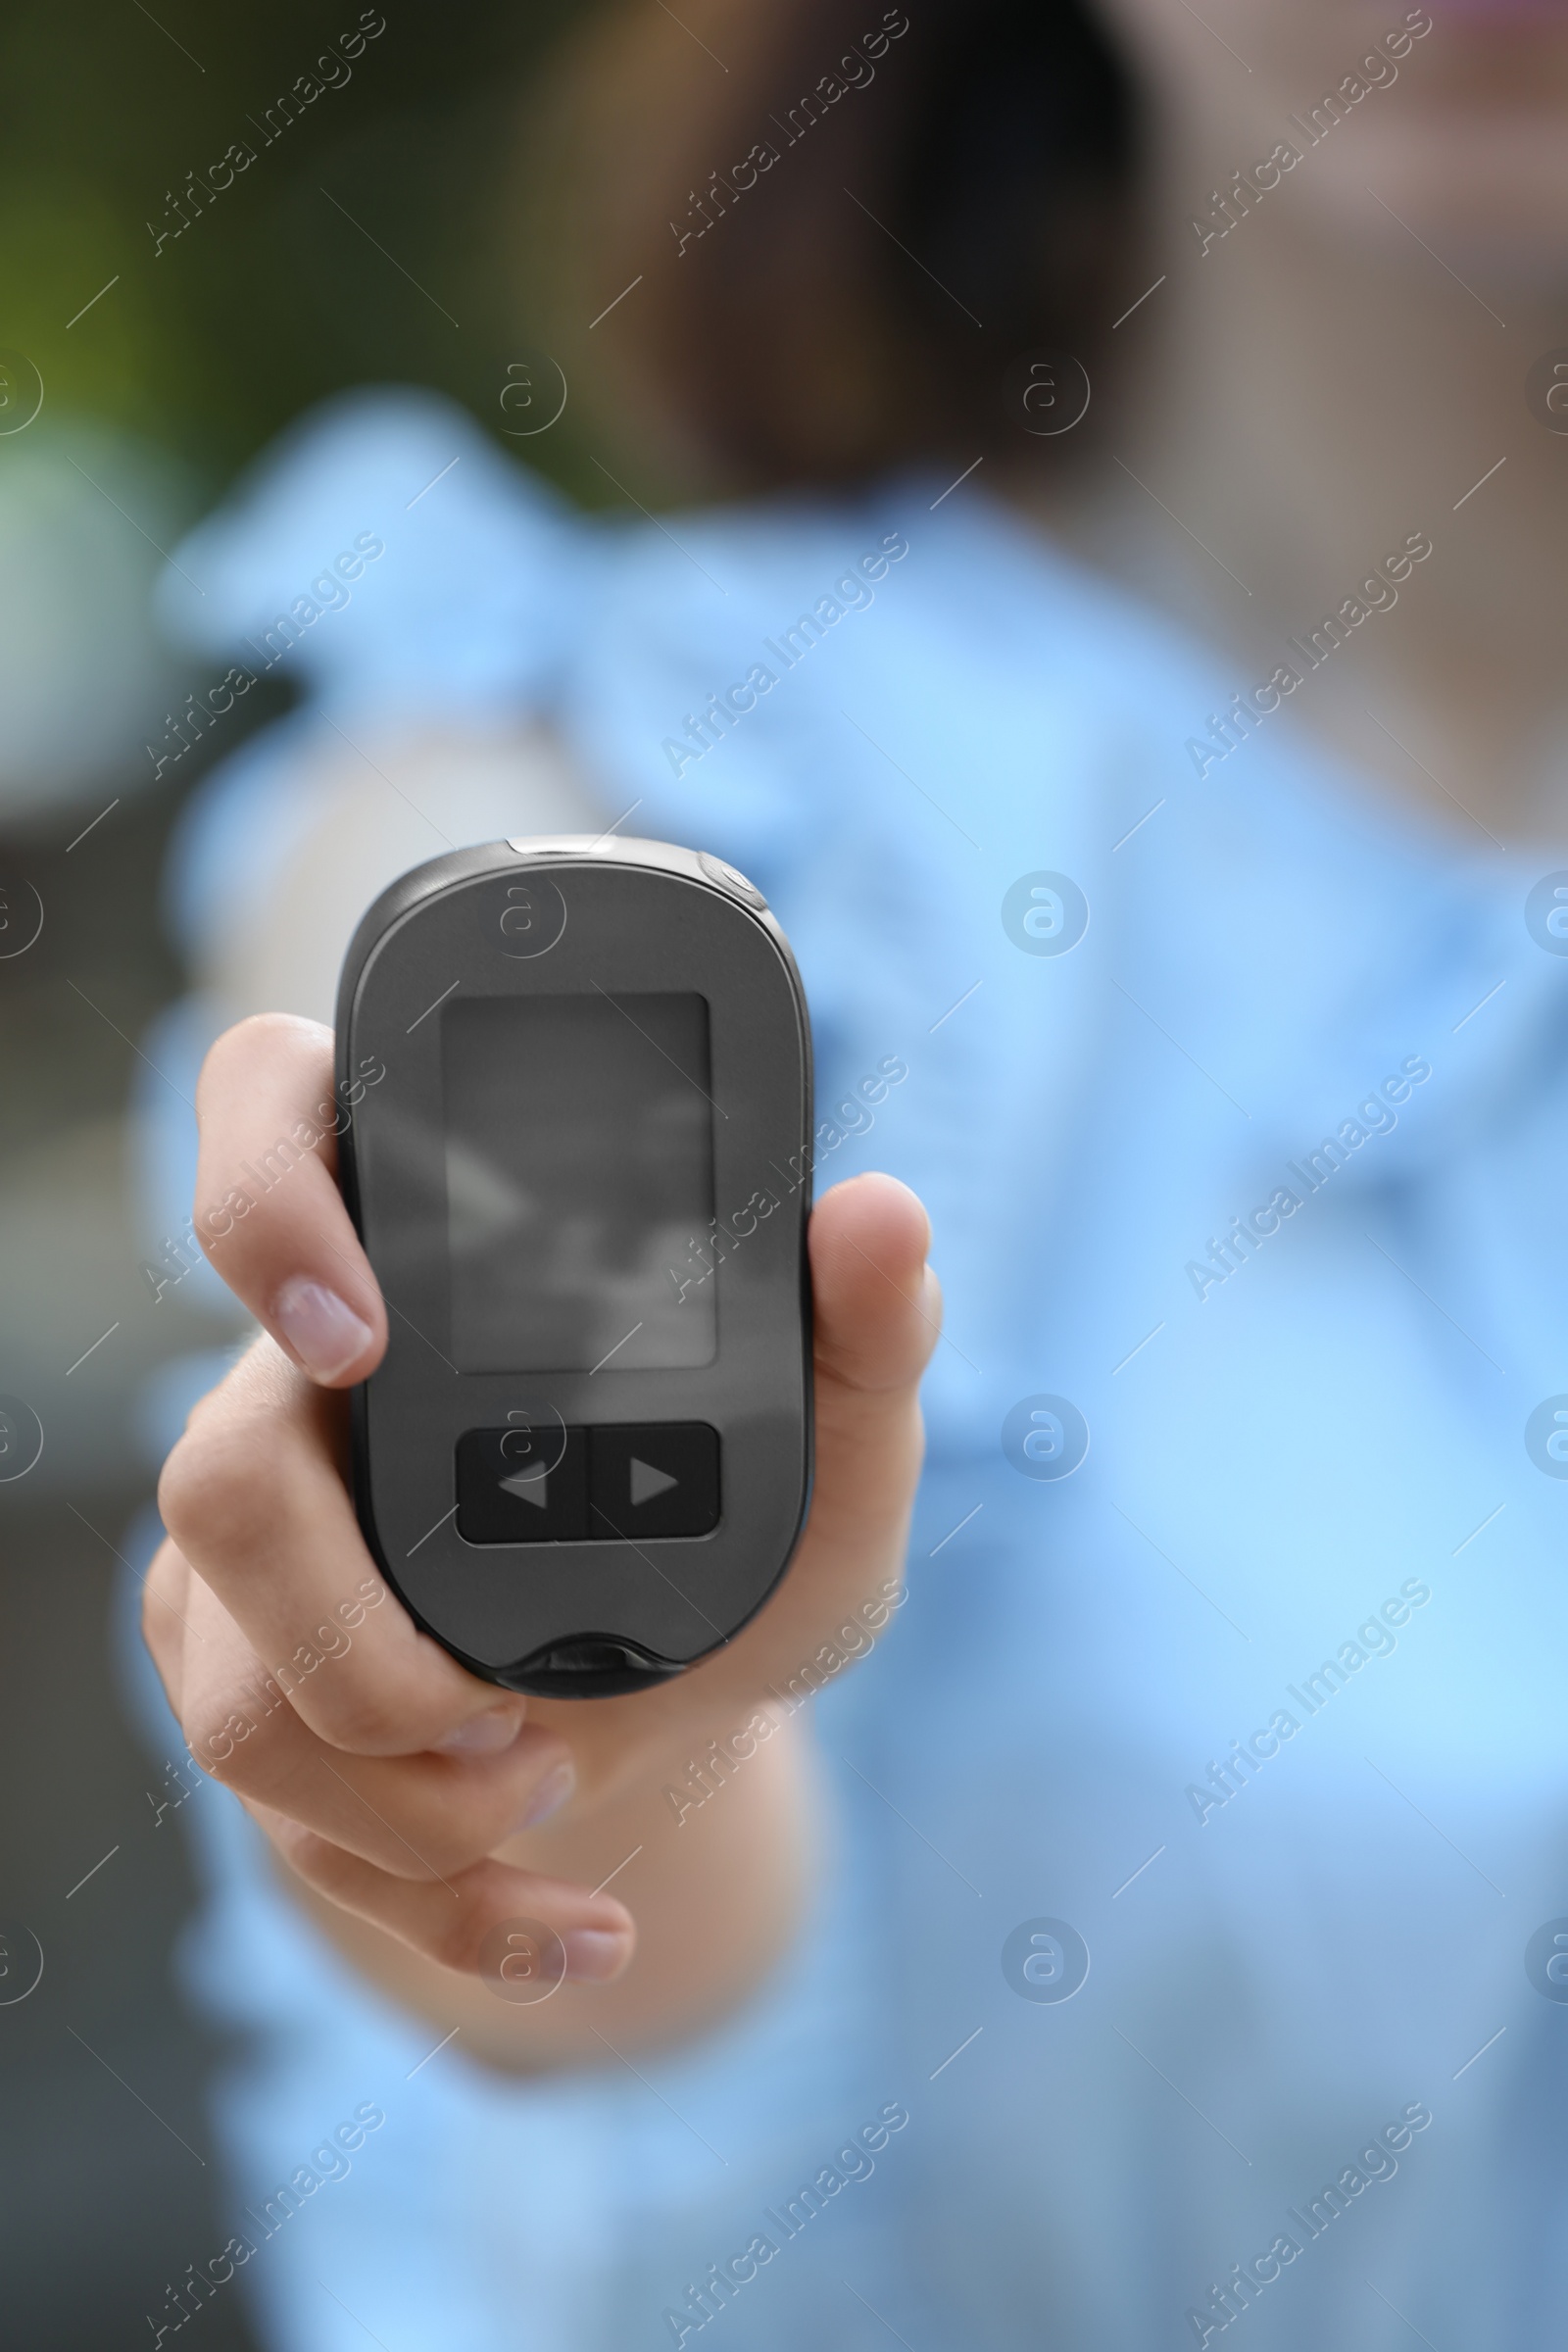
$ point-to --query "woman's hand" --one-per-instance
(394, 1783)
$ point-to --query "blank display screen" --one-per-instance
(579, 1168)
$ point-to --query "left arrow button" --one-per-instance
(530, 1486)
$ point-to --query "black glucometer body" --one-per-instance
(583, 1183)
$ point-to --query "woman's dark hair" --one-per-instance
(845, 227)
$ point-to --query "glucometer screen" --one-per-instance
(579, 1168)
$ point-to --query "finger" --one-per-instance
(876, 1304)
(449, 1924)
(876, 1309)
(254, 1498)
(413, 1817)
(164, 1616)
(421, 1816)
(268, 1212)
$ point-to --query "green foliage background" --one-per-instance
(270, 299)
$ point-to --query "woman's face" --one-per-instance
(1454, 114)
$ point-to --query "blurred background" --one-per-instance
(372, 240)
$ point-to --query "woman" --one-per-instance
(1157, 1933)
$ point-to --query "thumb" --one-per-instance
(877, 1305)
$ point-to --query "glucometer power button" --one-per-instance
(728, 879)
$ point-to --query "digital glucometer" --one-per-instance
(583, 1185)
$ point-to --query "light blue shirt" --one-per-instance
(1305, 1384)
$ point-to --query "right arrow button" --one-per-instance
(654, 1478)
(647, 1481)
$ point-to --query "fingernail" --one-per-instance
(594, 1953)
(549, 1797)
(483, 1735)
(323, 1331)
